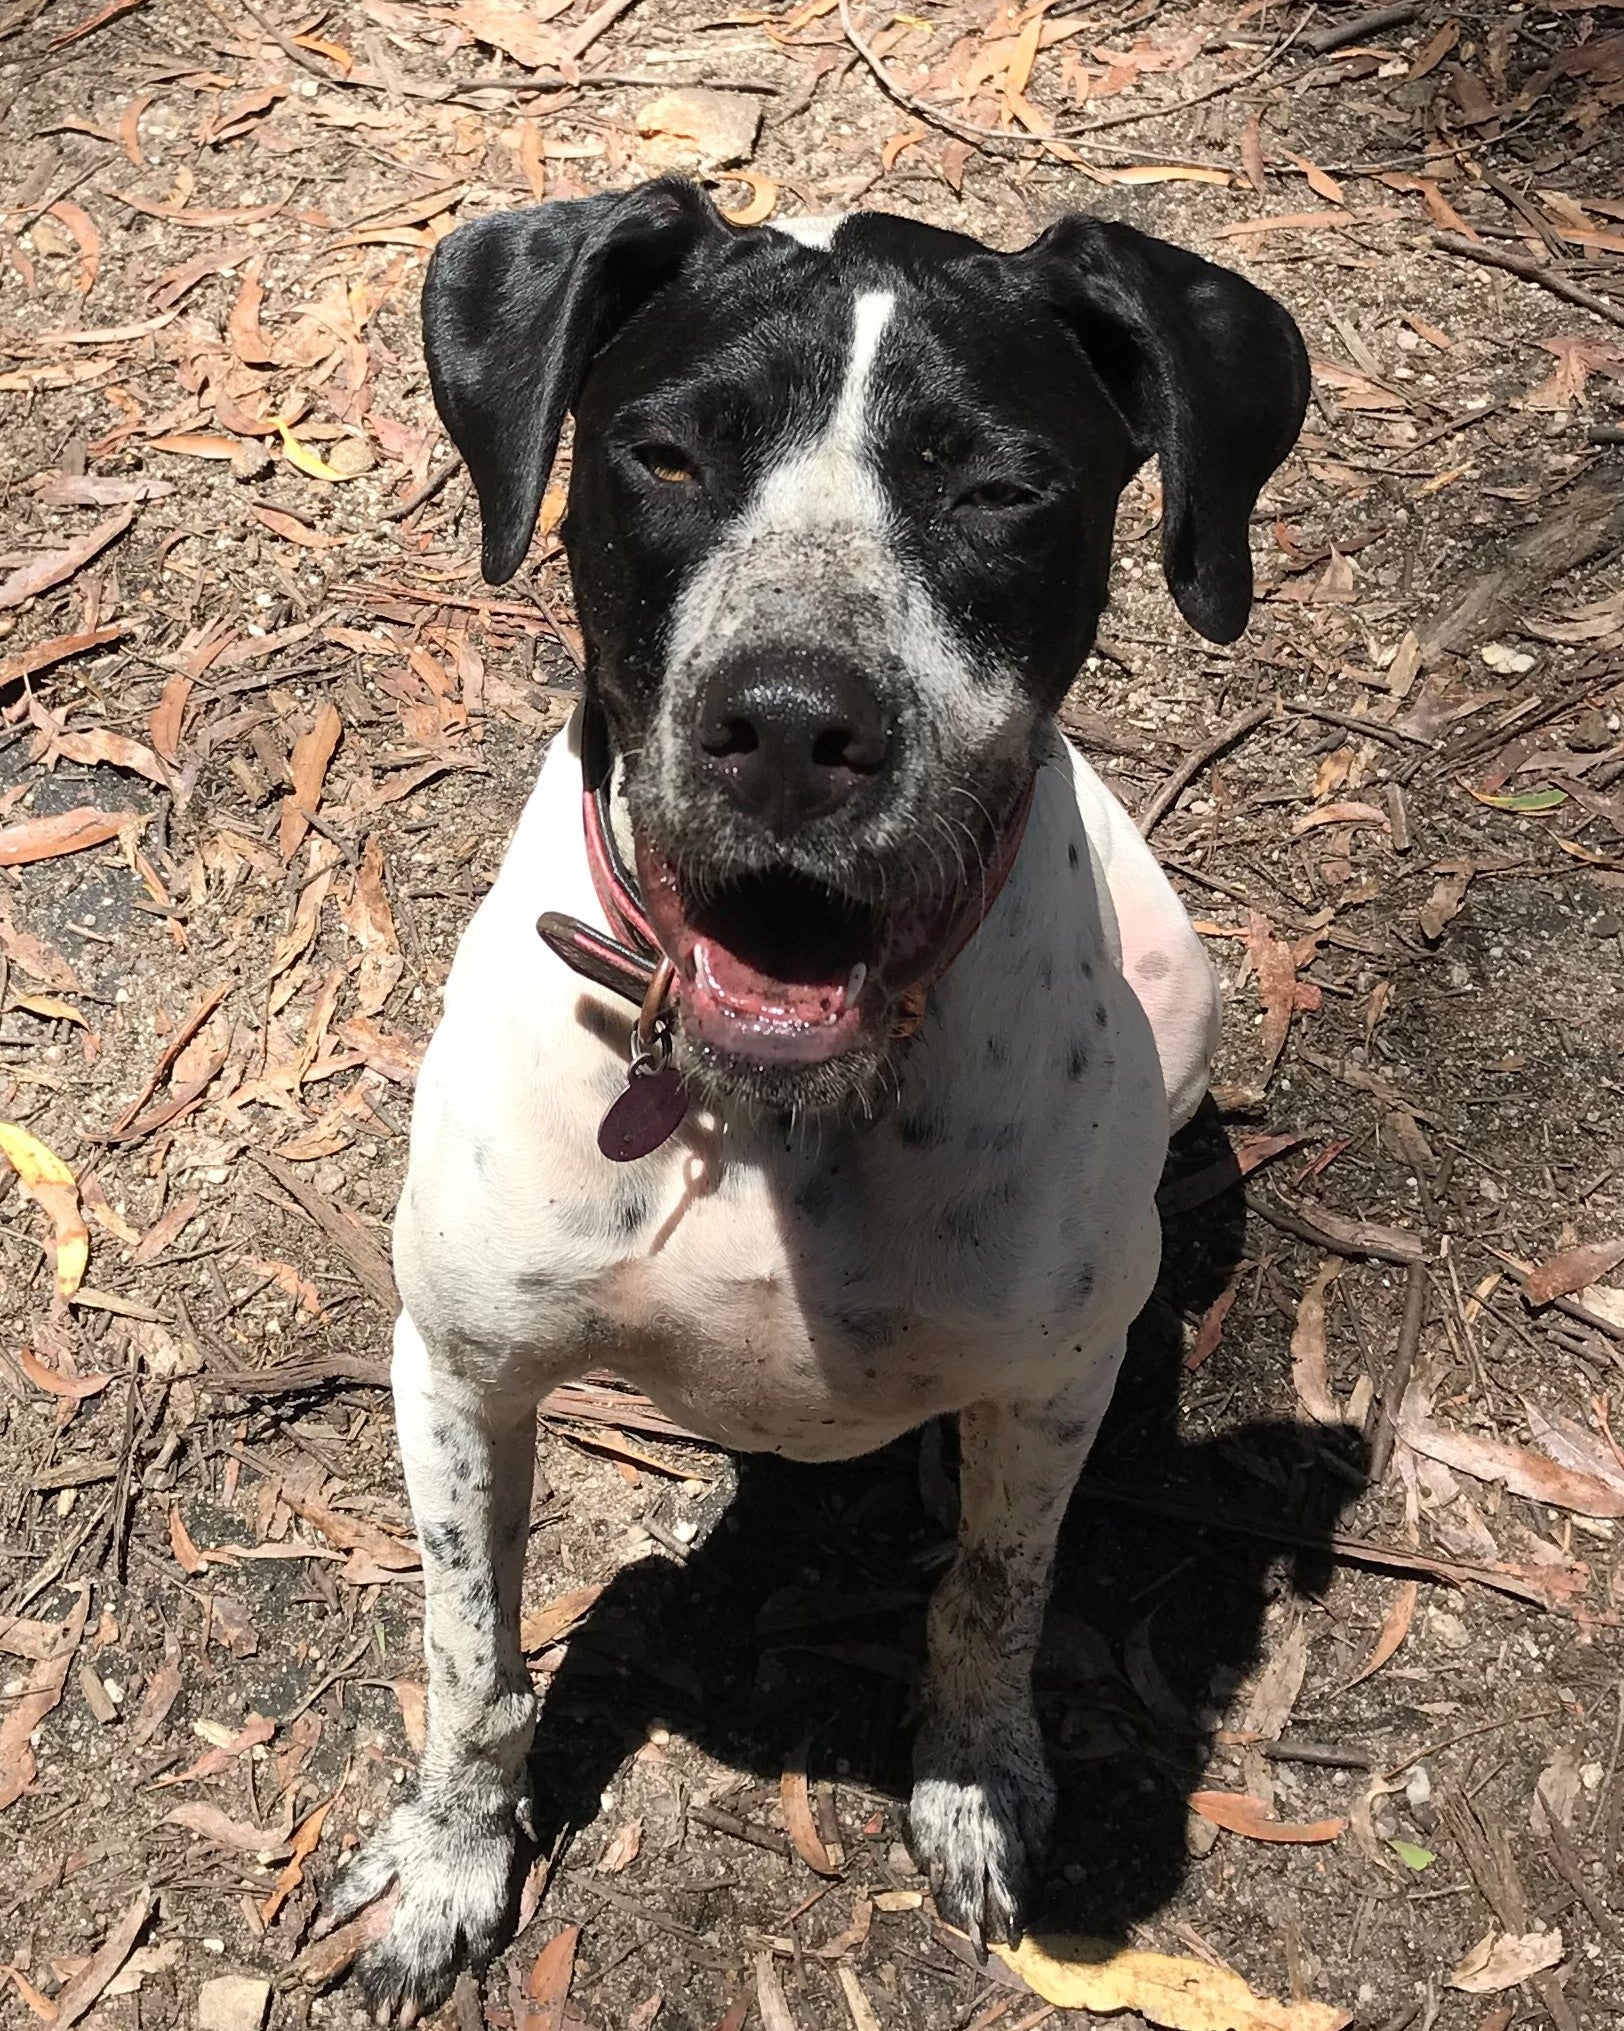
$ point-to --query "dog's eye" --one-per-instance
(668, 464)
(996, 494)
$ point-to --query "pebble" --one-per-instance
(233, 2003)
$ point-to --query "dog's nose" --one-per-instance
(789, 736)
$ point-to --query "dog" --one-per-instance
(918, 1009)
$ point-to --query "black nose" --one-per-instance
(789, 736)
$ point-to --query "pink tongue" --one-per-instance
(741, 990)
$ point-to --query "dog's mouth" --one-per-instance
(780, 969)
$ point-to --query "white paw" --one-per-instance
(978, 1823)
(452, 1860)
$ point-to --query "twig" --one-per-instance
(1466, 1735)
(1398, 1375)
(420, 497)
(978, 131)
(1605, 433)
(1530, 270)
(1394, 736)
(740, 1829)
(1338, 1235)
(1194, 762)
(1336, 1543)
(1341, 33)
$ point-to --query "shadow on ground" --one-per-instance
(798, 1624)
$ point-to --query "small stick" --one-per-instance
(1340, 34)
(1530, 270)
(1194, 762)
(1329, 1755)
(1605, 433)
(1398, 1376)
(1394, 736)
(420, 497)
(721, 1822)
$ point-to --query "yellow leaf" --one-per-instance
(49, 1005)
(305, 460)
(48, 1181)
(1179, 1995)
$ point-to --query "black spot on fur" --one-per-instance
(630, 1213)
(1046, 975)
(444, 1544)
(815, 1196)
(1099, 1015)
(1005, 1137)
(1076, 1060)
(997, 1051)
(922, 1131)
(1079, 1286)
(1071, 854)
(871, 1330)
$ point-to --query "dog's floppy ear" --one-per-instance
(1207, 371)
(514, 308)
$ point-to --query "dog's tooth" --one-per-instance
(854, 982)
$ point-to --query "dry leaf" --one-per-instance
(1523, 1472)
(621, 1849)
(1340, 814)
(22, 1714)
(45, 655)
(305, 1837)
(1252, 154)
(1237, 1812)
(209, 1823)
(256, 1729)
(187, 1556)
(97, 747)
(1444, 904)
(547, 1986)
(1559, 1276)
(52, 1186)
(1211, 1329)
(248, 342)
(370, 922)
(87, 1986)
(86, 236)
(62, 832)
(514, 27)
(1310, 1369)
(1502, 1959)
(412, 1699)
(351, 1533)
(51, 567)
(163, 1689)
(1395, 1627)
(759, 206)
(1176, 1994)
(75, 1388)
(1276, 971)
(312, 752)
(801, 1827)
(549, 1625)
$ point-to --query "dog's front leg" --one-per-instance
(983, 1798)
(469, 1459)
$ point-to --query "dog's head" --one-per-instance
(840, 523)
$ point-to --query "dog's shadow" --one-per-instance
(797, 1625)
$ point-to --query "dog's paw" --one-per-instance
(978, 1826)
(452, 1864)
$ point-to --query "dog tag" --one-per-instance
(648, 1113)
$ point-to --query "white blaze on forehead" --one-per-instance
(830, 481)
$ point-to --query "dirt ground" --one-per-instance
(293, 726)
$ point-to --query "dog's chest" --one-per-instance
(817, 1295)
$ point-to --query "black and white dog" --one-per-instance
(839, 524)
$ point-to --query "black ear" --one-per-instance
(1207, 371)
(515, 306)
